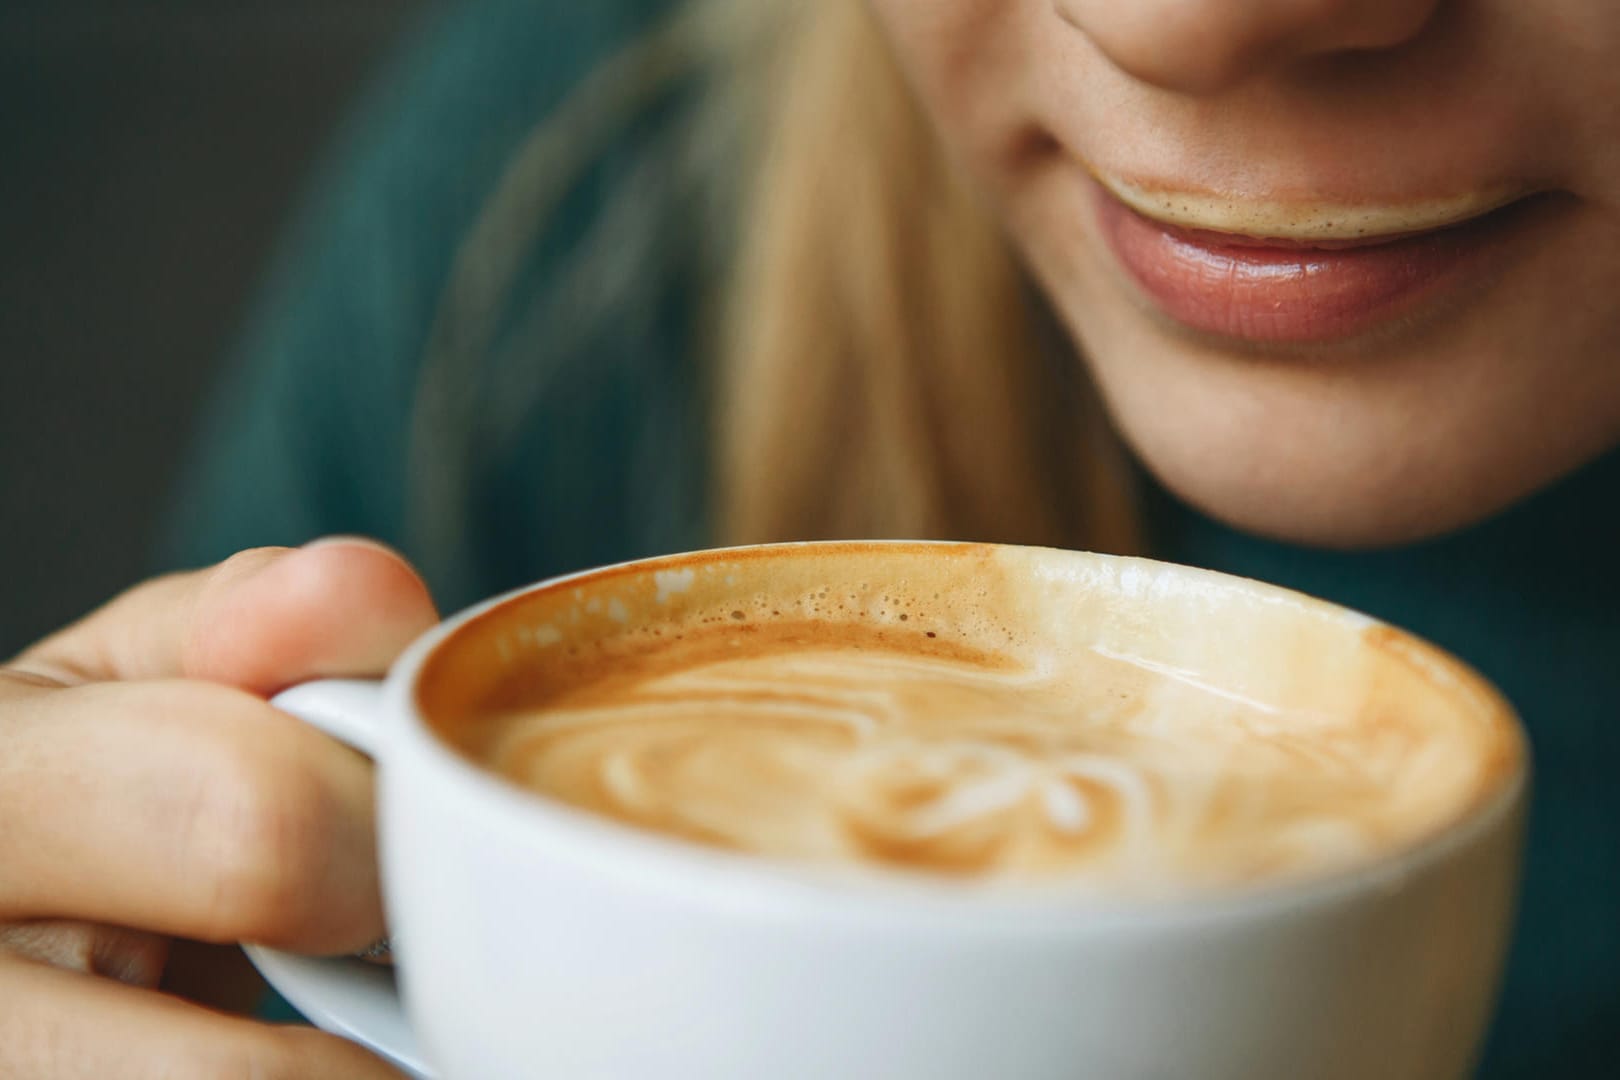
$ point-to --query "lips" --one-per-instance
(1274, 274)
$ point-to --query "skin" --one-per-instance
(155, 809)
(1424, 426)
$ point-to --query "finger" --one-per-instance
(261, 620)
(127, 956)
(188, 809)
(68, 1027)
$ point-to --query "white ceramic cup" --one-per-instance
(533, 940)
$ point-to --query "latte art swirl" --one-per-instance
(976, 714)
(950, 766)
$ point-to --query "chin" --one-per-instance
(1368, 449)
(1302, 500)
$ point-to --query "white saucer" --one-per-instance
(347, 997)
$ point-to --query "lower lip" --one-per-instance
(1280, 293)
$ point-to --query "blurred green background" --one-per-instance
(151, 149)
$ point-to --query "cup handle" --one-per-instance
(349, 710)
(355, 1000)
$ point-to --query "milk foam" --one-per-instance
(1112, 729)
(1314, 220)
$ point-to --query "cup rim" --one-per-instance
(528, 819)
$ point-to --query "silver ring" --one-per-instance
(381, 949)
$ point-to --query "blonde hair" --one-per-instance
(881, 366)
(883, 371)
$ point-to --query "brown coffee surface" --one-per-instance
(977, 712)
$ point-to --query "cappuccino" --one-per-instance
(975, 713)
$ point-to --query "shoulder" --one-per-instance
(420, 155)
(468, 83)
(565, 307)
(313, 430)
(360, 273)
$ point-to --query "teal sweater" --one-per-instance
(310, 436)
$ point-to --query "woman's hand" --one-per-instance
(150, 799)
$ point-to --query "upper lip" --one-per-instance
(1305, 221)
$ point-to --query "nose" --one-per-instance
(1206, 46)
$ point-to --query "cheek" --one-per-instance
(970, 64)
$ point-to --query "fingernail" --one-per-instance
(346, 540)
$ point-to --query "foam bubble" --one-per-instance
(1301, 220)
(673, 582)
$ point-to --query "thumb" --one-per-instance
(262, 620)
